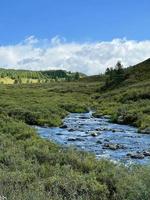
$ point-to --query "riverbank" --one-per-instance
(35, 168)
(128, 104)
(48, 104)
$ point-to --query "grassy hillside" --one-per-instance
(125, 96)
(140, 71)
(11, 76)
(34, 168)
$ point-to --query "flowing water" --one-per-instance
(99, 136)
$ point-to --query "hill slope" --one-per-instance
(127, 101)
(141, 71)
(10, 76)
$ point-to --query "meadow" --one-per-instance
(34, 168)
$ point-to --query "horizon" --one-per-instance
(66, 70)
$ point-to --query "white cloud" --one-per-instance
(57, 53)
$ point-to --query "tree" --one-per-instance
(119, 73)
(77, 76)
(68, 78)
(16, 81)
(114, 76)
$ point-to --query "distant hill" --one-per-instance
(138, 72)
(10, 76)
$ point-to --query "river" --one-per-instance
(106, 140)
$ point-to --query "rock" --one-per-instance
(145, 131)
(146, 153)
(71, 130)
(45, 125)
(99, 142)
(120, 146)
(110, 146)
(138, 151)
(59, 134)
(99, 129)
(64, 126)
(120, 119)
(72, 139)
(113, 146)
(107, 116)
(129, 154)
(94, 134)
(97, 115)
(81, 124)
(106, 129)
(106, 140)
(137, 155)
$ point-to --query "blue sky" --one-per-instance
(75, 35)
(76, 20)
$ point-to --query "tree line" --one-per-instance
(114, 76)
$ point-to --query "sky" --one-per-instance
(75, 35)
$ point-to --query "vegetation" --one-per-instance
(114, 76)
(125, 95)
(11, 76)
(32, 168)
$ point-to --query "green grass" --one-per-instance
(12, 76)
(131, 104)
(32, 168)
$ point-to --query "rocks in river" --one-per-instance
(59, 134)
(107, 116)
(45, 125)
(99, 142)
(112, 146)
(71, 129)
(93, 133)
(139, 155)
(64, 126)
(108, 129)
(146, 153)
(97, 115)
(145, 131)
(106, 140)
(98, 129)
(120, 119)
(136, 155)
(73, 139)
